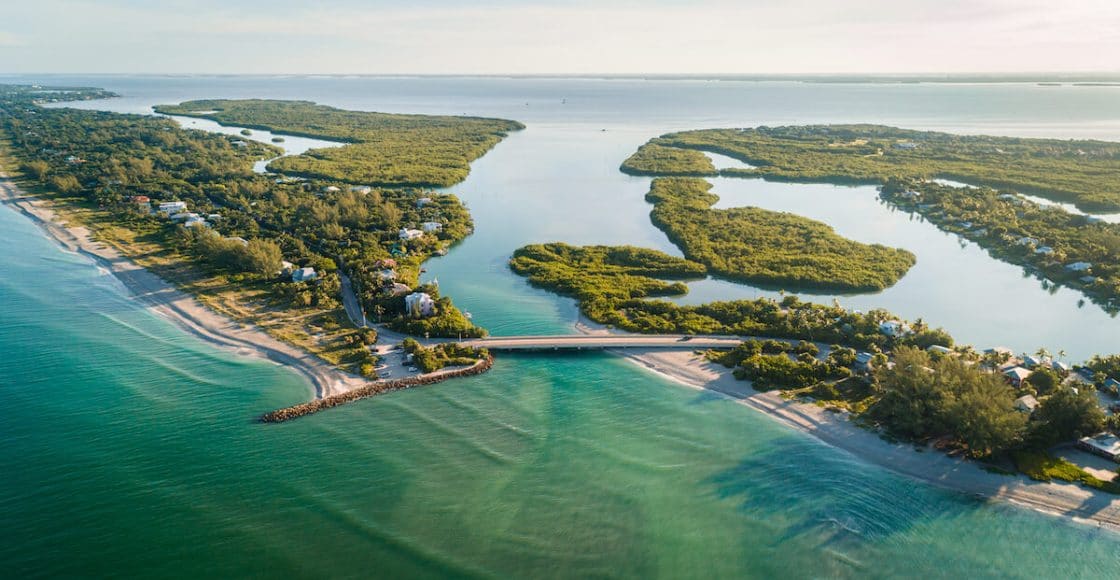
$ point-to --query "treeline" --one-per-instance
(766, 247)
(656, 159)
(384, 149)
(613, 286)
(1044, 239)
(1084, 172)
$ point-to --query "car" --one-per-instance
(413, 369)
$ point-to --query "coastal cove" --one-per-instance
(705, 466)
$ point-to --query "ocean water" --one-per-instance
(129, 447)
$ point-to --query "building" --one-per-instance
(184, 216)
(423, 201)
(238, 143)
(172, 207)
(239, 240)
(362, 189)
(893, 328)
(331, 189)
(1016, 375)
(410, 234)
(430, 227)
(863, 361)
(1088, 279)
(387, 275)
(1060, 366)
(196, 222)
(906, 145)
(1026, 241)
(419, 304)
(385, 263)
(1079, 267)
(1030, 361)
(286, 268)
(396, 289)
(1026, 404)
(1044, 250)
(940, 349)
(1104, 444)
(304, 275)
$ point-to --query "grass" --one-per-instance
(1041, 466)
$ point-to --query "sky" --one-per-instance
(559, 37)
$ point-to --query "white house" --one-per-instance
(362, 189)
(430, 227)
(423, 201)
(171, 207)
(1105, 445)
(1025, 241)
(331, 189)
(1026, 404)
(1044, 250)
(238, 143)
(419, 304)
(940, 349)
(893, 328)
(1016, 375)
(1079, 267)
(196, 222)
(410, 234)
(304, 275)
(906, 145)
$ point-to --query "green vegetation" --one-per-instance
(1040, 466)
(656, 159)
(106, 170)
(766, 247)
(434, 358)
(613, 285)
(1084, 172)
(446, 321)
(383, 149)
(1045, 240)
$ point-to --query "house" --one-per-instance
(196, 222)
(304, 275)
(1026, 404)
(1030, 361)
(172, 207)
(214, 217)
(1104, 444)
(1026, 241)
(909, 194)
(387, 275)
(1008, 197)
(1016, 375)
(385, 263)
(430, 227)
(940, 349)
(239, 240)
(362, 189)
(863, 361)
(396, 289)
(906, 145)
(410, 234)
(1111, 382)
(331, 189)
(1079, 267)
(74, 160)
(423, 201)
(1044, 250)
(184, 216)
(893, 328)
(965, 225)
(238, 143)
(286, 268)
(1060, 366)
(142, 202)
(419, 304)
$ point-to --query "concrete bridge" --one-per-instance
(603, 341)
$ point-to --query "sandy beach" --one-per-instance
(178, 307)
(836, 430)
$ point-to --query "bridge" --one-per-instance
(570, 342)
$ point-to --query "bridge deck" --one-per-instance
(600, 342)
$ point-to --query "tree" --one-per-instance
(1044, 380)
(65, 184)
(1066, 415)
(911, 398)
(37, 168)
(982, 415)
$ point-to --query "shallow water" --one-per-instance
(129, 447)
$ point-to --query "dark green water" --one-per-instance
(129, 448)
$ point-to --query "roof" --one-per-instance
(1106, 442)
(1027, 402)
(1018, 373)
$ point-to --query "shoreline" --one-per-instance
(834, 429)
(174, 305)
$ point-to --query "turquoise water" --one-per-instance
(127, 446)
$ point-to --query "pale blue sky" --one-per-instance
(565, 36)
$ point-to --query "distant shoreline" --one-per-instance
(180, 308)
